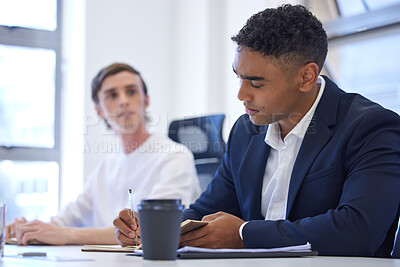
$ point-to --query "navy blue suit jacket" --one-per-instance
(344, 191)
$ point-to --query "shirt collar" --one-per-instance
(273, 136)
(141, 148)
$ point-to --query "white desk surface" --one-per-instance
(100, 259)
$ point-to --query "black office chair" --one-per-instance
(396, 248)
(203, 136)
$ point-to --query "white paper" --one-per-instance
(299, 248)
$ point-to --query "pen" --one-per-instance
(132, 212)
(32, 254)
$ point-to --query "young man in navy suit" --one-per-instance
(308, 162)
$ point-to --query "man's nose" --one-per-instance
(243, 93)
(123, 100)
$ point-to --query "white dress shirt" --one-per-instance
(281, 159)
(159, 168)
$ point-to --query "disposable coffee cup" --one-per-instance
(2, 228)
(159, 221)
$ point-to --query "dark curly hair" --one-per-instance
(111, 70)
(291, 34)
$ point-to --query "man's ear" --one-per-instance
(98, 111)
(309, 77)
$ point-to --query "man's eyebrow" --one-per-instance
(109, 90)
(132, 86)
(250, 78)
(112, 89)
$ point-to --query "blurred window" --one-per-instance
(348, 8)
(29, 188)
(37, 14)
(27, 91)
(364, 50)
(30, 53)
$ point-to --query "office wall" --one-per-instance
(183, 50)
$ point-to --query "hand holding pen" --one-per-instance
(133, 213)
(126, 227)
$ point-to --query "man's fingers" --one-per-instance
(24, 240)
(24, 234)
(125, 216)
(11, 227)
(212, 217)
(123, 240)
(121, 227)
(24, 228)
(125, 227)
(195, 234)
(200, 242)
(9, 232)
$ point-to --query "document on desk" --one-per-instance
(14, 241)
(110, 248)
(205, 253)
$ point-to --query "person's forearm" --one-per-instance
(92, 236)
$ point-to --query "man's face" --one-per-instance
(122, 102)
(266, 94)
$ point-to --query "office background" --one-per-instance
(184, 52)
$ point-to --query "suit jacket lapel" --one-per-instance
(251, 174)
(318, 134)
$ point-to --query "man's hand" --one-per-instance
(48, 233)
(222, 231)
(125, 227)
(11, 227)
